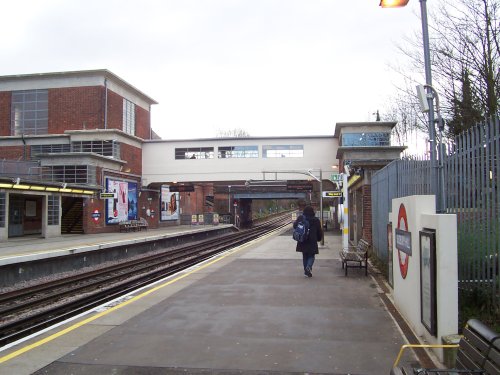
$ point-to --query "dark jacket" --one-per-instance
(310, 246)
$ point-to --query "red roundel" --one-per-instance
(404, 258)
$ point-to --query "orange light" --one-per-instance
(393, 3)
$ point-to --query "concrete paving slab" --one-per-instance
(251, 313)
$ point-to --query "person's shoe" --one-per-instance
(308, 273)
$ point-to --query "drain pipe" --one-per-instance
(24, 147)
(105, 103)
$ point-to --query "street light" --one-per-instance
(393, 3)
(428, 81)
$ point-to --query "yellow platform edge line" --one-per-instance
(125, 303)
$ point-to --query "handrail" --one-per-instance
(403, 347)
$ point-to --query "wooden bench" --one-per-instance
(133, 225)
(142, 224)
(355, 256)
(478, 353)
(128, 225)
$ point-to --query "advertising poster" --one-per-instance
(124, 204)
(428, 280)
(169, 204)
(132, 201)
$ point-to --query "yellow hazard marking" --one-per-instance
(125, 303)
(346, 210)
(346, 230)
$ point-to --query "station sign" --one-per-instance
(336, 177)
(107, 195)
(299, 185)
(332, 194)
(181, 188)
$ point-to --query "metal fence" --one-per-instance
(472, 192)
(400, 178)
(472, 183)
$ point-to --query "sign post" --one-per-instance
(345, 219)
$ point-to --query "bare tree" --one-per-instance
(465, 51)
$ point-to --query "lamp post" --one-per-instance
(320, 180)
(428, 81)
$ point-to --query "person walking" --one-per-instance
(309, 248)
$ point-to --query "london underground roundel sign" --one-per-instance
(403, 257)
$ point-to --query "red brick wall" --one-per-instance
(89, 224)
(133, 156)
(76, 108)
(142, 122)
(367, 213)
(115, 111)
(5, 100)
(13, 152)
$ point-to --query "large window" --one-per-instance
(128, 117)
(29, 112)
(105, 148)
(194, 153)
(53, 210)
(227, 152)
(283, 151)
(366, 139)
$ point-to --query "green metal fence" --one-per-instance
(472, 192)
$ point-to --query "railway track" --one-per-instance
(31, 309)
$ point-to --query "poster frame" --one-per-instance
(428, 300)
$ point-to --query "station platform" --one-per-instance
(29, 248)
(247, 311)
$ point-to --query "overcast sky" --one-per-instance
(270, 67)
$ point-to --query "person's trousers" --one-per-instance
(308, 261)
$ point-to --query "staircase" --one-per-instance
(72, 218)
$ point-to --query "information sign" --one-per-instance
(108, 195)
(181, 188)
(336, 177)
(332, 194)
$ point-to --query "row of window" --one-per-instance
(30, 113)
(73, 174)
(366, 139)
(228, 152)
(105, 148)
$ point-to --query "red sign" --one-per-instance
(403, 257)
(96, 215)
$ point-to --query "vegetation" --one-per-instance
(465, 59)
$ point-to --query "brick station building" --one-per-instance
(68, 137)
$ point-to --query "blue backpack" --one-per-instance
(301, 232)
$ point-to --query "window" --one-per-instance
(105, 148)
(128, 117)
(227, 152)
(194, 153)
(29, 112)
(366, 139)
(37, 150)
(283, 151)
(2, 210)
(73, 174)
(53, 210)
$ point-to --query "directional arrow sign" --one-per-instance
(332, 194)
